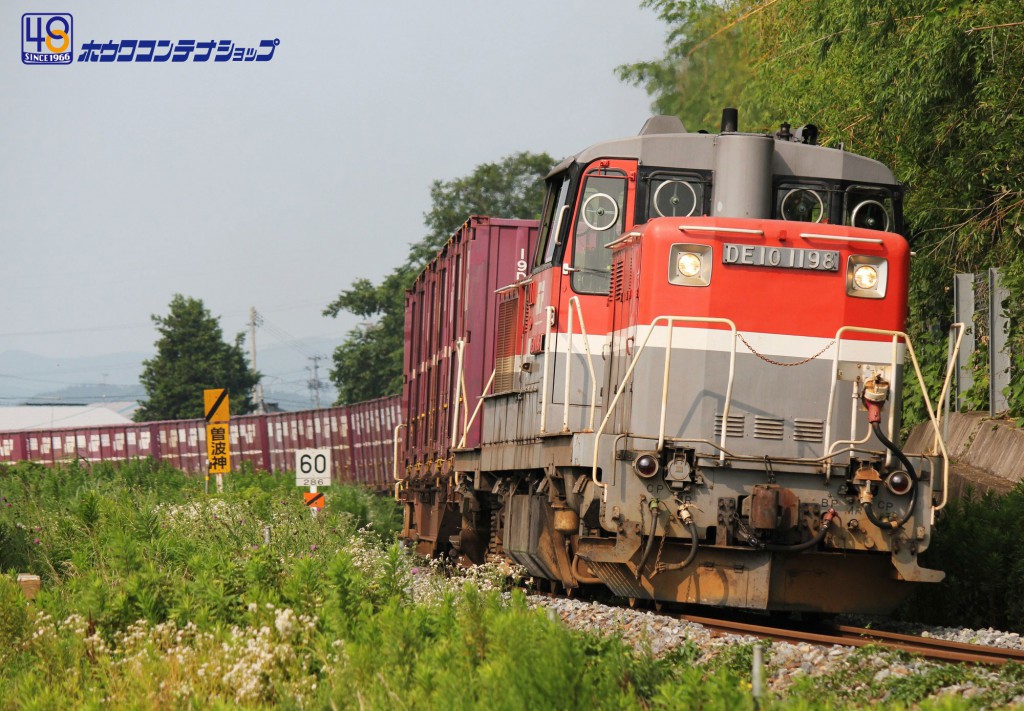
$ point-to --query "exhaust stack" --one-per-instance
(730, 120)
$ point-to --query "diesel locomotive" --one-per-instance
(683, 383)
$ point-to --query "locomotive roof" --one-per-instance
(696, 151)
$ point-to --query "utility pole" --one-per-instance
(255, 320)
(314, 381)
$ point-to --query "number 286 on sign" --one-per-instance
(313, 467)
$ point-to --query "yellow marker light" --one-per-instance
(689, 264)
(865, 277)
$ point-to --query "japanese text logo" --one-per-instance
(185, 50)
(46, 38)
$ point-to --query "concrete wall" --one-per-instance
(987, 453)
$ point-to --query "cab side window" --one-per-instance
(552, 220)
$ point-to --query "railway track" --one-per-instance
(844, 635)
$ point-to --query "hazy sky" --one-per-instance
(274, 184)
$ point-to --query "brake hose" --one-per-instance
(866, 505)
(691, 525)
(826, 523)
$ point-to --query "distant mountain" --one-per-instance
(286, 368)
(24, 375)
(88, 394)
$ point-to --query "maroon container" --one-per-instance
(359, 436)
(371, 440)
(454, 300)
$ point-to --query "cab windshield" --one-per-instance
(601, 218)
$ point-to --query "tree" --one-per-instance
(191, 357)
(368, 364)
(706, 66)
(931, 88)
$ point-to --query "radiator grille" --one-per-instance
(505, 352)
(808, 430)
(737, 425)
(617, 286)
(768, 427)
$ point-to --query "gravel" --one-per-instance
(988, 636)
(785, 663)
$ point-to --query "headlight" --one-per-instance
(865, 277)
(689, 264)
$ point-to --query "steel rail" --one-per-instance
(931, 648)
(964, 651)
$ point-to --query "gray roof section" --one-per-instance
(696, 151)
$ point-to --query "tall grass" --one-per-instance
(156, 595)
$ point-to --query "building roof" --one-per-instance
(45, 417)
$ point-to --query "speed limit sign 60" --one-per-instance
(313, 467)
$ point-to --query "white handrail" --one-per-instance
(394, 461)
(460, 347)
(549, 313)
(924, 395)
(465, 393)
(575, 302)
(892, 410)
(950, 367)
(624, 238)
(476, 410)
(664, 392)
(841, 238)
(671, 321)
(734, 230)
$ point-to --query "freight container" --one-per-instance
(359, 436)
(450, 338)
(371, 437)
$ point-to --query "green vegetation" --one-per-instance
(931, 89)
(511, 188)
(155, 595)
(979, 542)
(191, 356)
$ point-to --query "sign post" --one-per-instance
(218, 435)
(313, 469)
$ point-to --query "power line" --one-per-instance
(256, 320)
(287, 338)
(314, 381)
(61, 332)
